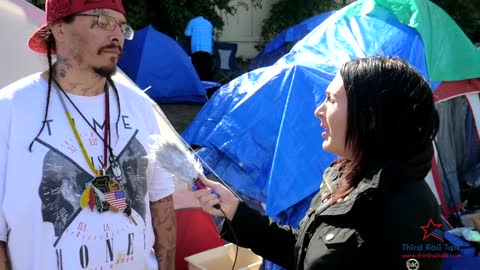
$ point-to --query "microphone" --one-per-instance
(179, 161)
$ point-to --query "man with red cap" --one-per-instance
(76, 191)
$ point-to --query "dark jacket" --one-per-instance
(377, 226)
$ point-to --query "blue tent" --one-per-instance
(155, 60)
(258, 132)
(281, 43)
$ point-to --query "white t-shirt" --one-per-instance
(40, 215)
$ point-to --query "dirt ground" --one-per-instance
(180, 114)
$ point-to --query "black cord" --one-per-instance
(49, 90)
(234, 237)
(78, 110)
(199, 185)
(110, 150)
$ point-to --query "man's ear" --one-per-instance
(57, 30)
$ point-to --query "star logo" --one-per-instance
(432, 230)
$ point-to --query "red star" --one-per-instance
(429, 229)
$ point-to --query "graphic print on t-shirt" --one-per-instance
(81, 235)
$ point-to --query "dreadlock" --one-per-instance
(50, 42)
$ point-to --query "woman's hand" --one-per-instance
(216, 193)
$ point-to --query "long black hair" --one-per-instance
(391, 114)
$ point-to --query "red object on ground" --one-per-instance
(196, 232)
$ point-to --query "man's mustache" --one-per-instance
(111, 47)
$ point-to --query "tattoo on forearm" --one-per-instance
(4, 261)
(163, 221)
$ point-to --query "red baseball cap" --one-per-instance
(58, 9)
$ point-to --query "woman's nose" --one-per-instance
(319, 111)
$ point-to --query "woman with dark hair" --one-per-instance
(374, 210)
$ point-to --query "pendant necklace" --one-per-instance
(102, 192)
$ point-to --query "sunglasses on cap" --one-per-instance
(109, 23)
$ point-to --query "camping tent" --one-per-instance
(281, 43)
(258, 132)
(19, 19)
(155, 60)
(457, 159)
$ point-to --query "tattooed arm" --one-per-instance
(4, 262)
(164, 226)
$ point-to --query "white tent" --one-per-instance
(18, 20)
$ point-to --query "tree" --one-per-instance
(465, 13)
(171, 16)
(137, 13)
(286, 13)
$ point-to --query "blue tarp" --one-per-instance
(281, 43)
(155, 60)
(259, 131)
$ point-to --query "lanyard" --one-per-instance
(106, 134)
